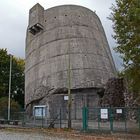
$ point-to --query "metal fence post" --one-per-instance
(23, 119)
(42, 116)
(111, 119)
(98, 109)
(125, 118)
(84, 118)
(60, 118)
(139, 117)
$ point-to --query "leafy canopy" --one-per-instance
(17, 77)
(126, 18)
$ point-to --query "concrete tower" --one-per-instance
(55, 36)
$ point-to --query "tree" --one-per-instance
(17, 77)
(18, 80)
(126, 18)
(15, 107)
(4, 72)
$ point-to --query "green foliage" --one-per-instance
(15, 107)
(126, 18)
(131, 74)
(18, 80)
(17, 77)
(4, 72)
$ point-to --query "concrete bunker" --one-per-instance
(53, 37)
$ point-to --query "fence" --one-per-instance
(111, 119)
(59, 120)
(96, 119)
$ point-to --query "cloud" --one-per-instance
(14, 20)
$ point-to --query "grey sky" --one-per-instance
(14, 20)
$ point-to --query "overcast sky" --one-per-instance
(14, 21)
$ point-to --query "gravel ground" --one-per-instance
(7, 135)
(39, 134)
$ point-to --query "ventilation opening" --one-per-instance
(35, 28)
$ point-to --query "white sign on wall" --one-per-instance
(104, 113)
(66, 98)
(119, 111)
(40, 111)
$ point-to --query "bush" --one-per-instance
(14, 108)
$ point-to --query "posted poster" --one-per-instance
(119, 111)
(66, 98)
(104, 113)
(39, 111)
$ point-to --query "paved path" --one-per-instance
(16, 135)
(7, 135)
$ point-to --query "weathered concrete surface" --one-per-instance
(68, 30)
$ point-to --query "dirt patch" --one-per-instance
(66, 134)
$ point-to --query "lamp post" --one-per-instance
(9, 87)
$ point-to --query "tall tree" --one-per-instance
(4, 72)
(17, 77)
(18, 80)
(126, 18)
